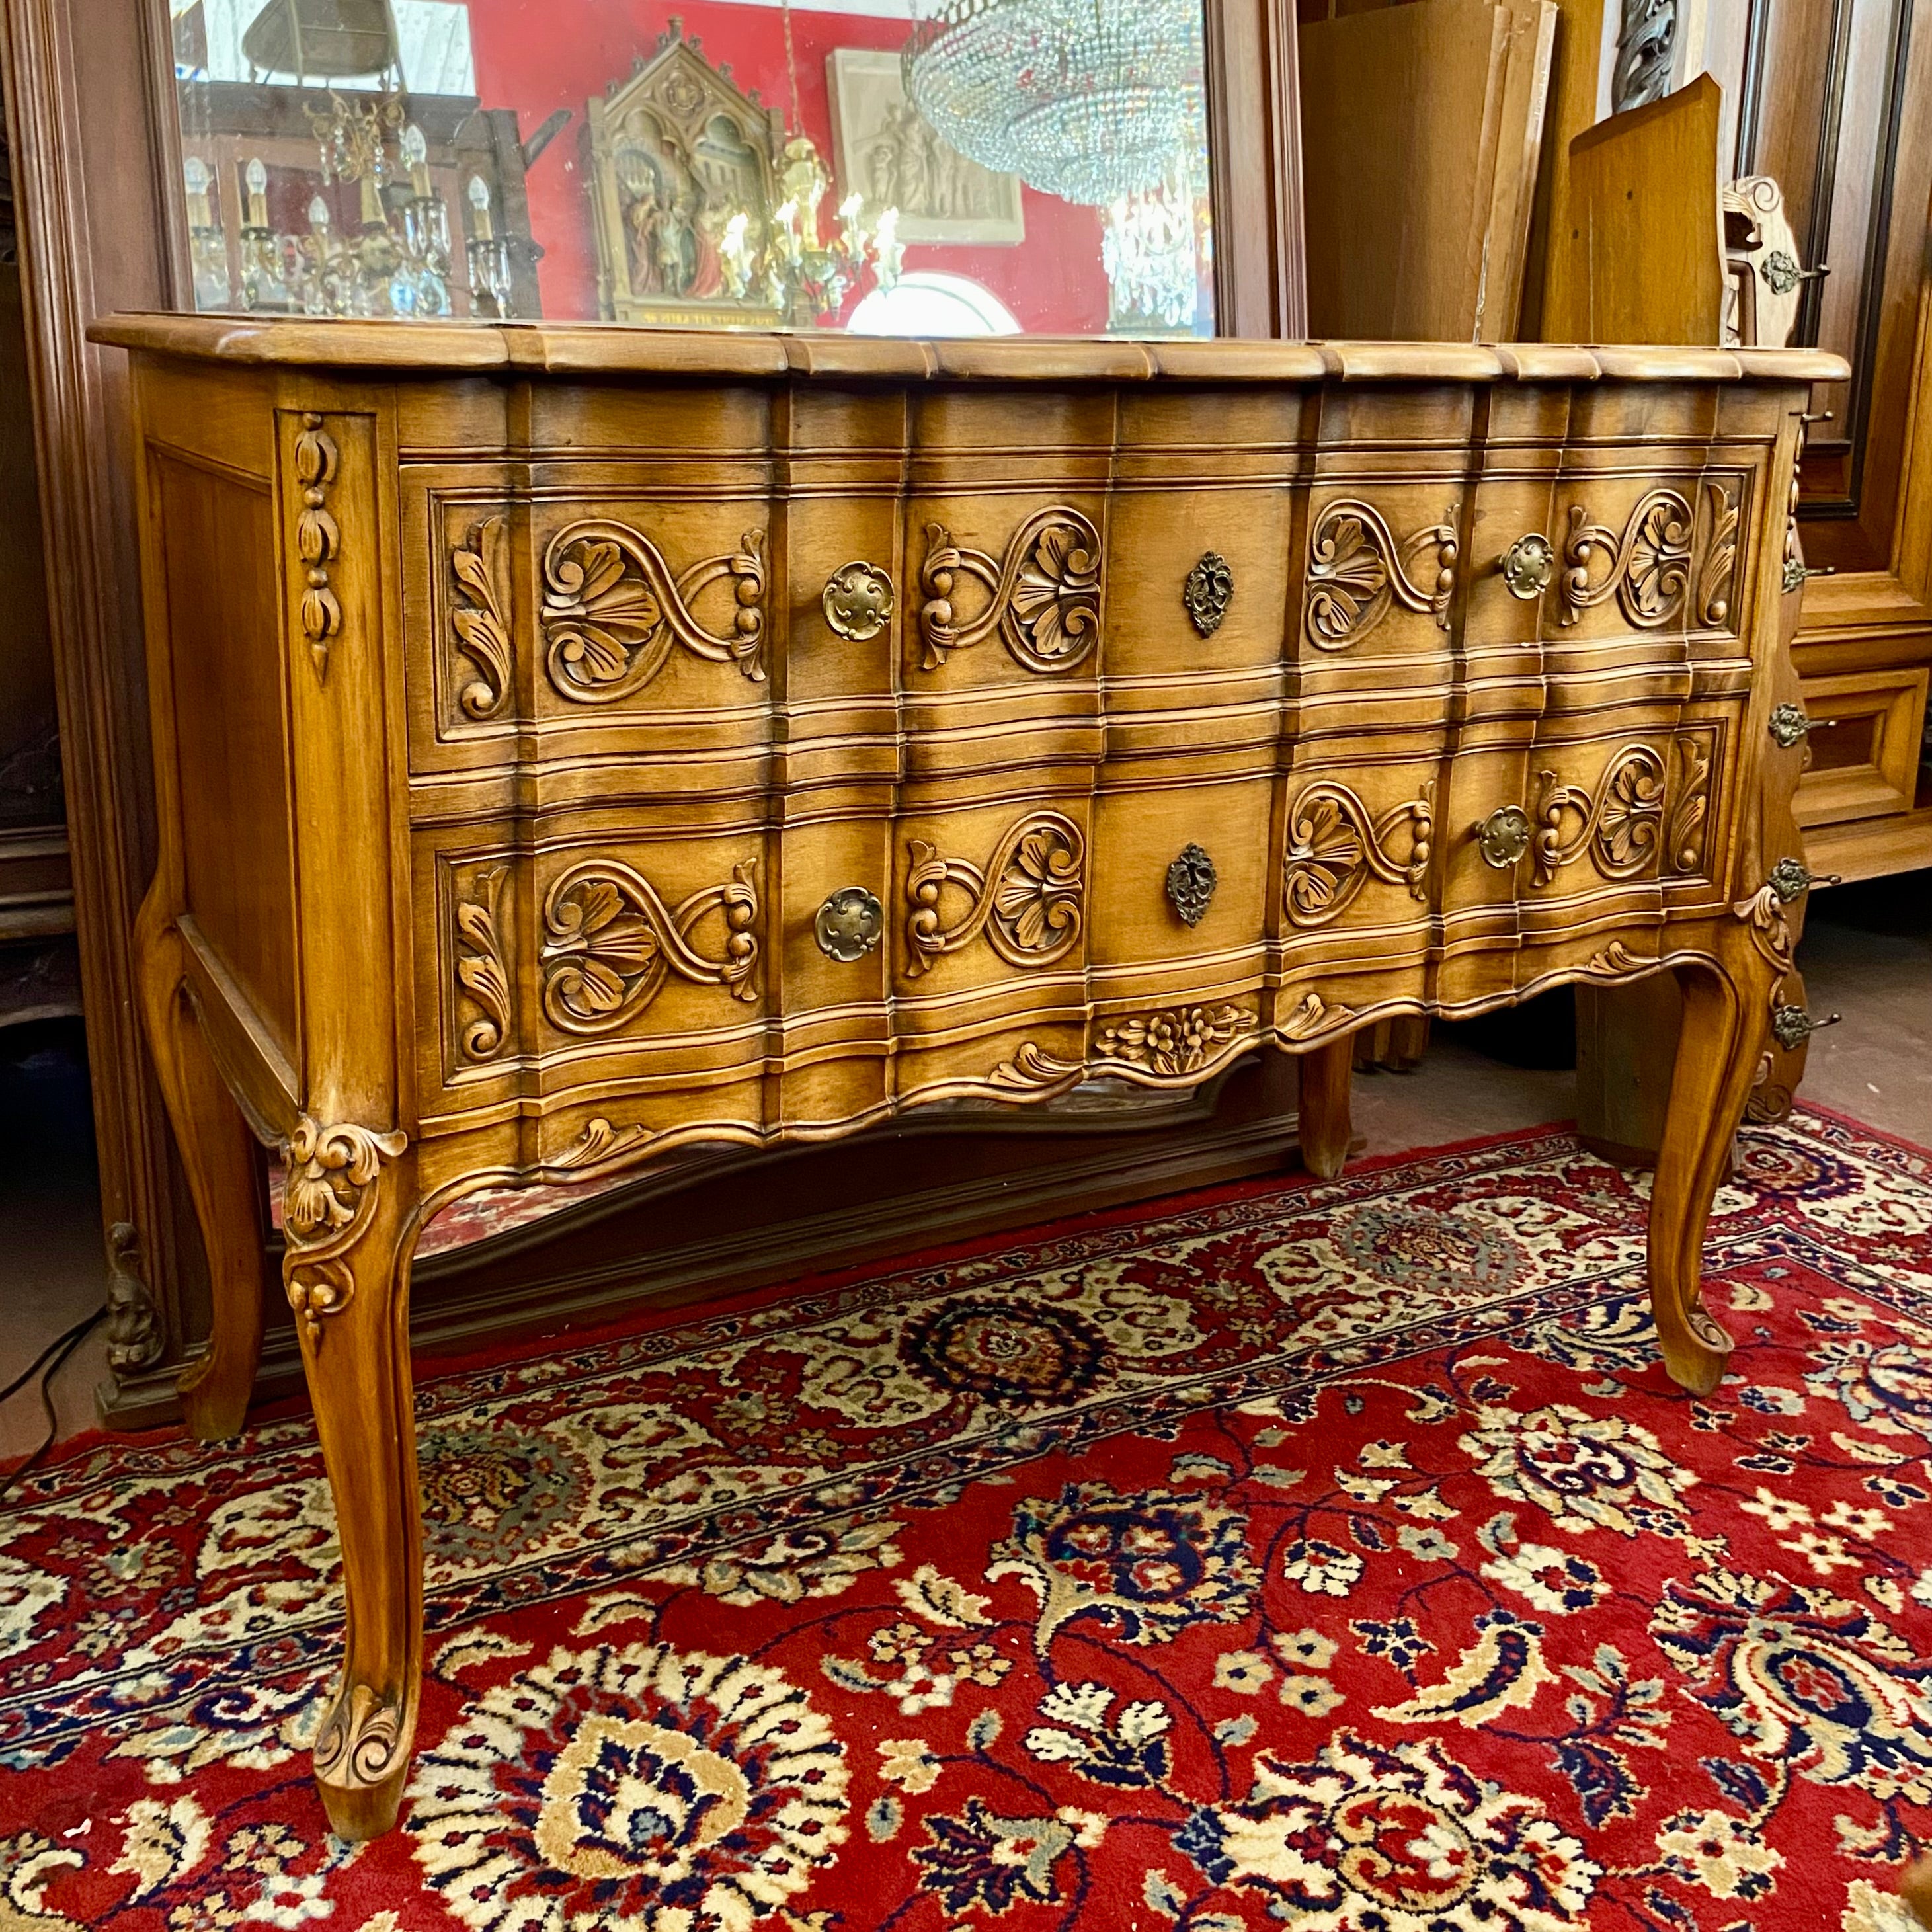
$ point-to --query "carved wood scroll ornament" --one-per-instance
(611, 942)
(1622, 819)
(482, 625)
(1696, 753)
(1716, 585)
(1335, 846)
(1357, 569)
(1313, 1016)
(1028, 900)
(1649, 570)
(359, 1737)
(1044, 593)
(480, 969)
(330, 1176)
(318, 538)
(612, 611)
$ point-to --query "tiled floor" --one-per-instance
(1867, 953)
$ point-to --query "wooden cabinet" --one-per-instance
(574, 748)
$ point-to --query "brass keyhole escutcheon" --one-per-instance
(849, 924)
(858, 601)
(1528, 565)
(1503, 838)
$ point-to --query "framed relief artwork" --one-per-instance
(891, 156)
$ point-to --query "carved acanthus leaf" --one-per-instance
(1763, 914)
(330, 1179)
(1694, 754)
(1028, 900)
(1176, 1042)
(599, 1144)
(1356, 568)
(613, 611)
(1036, 1072)
(1649, 568)
(1044, 594)
(1335, 846)
(1620, 820)
(480, 969)
(611, 941)
(1313, 1016)
(359, 1739)
(1716, 585)
(482, 625)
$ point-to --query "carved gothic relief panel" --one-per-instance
(609, 942)
(1358, 570)
(1029, 900)
(1042, 596)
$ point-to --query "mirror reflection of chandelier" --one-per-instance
(1089, 100)
(1153, 246)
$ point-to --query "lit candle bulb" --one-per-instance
(194, 172)
(848, 220)
(891, 250)
(478, 192)
(372, 202)
(318, 215)
(416, 157)
(256, 176)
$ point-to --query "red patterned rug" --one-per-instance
(1330, 1555)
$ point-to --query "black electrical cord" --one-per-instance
(53, 1355)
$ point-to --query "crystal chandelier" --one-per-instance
(1152, 245)
(1089, 100)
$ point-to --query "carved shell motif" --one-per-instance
(612, 612)
(1044, 594)
(1357, 570)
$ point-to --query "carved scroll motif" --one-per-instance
(1028, 899)
(480, 970)
(1044, 593)
(1763, 913)
(330, 1177)
(1649, 571)
(359, 1738)
(482, 625)
(610, 943)
(1357, 569)
(1621, 820)
(612, 611)
(1176, 1042)
(1314, 1016)
(1036, 1073)
(318, 538)
(1717, 576)
(599, 1144)
(1646, 46)
(1694, 754)
(1336, 847)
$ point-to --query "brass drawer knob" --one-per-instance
(858, 600)
(1791, 1027)
(849, 924)
(1528, 565)
(1503, 838)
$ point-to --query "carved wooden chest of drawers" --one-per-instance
(574, 743)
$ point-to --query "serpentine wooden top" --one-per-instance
(607, 349)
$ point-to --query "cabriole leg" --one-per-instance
(349, 1210)
(219, 1156)
(1326, 1071)
(1727, 1017)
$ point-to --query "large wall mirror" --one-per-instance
(976, 167)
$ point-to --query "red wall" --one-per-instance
(537, 55)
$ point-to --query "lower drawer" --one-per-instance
(1864, 745)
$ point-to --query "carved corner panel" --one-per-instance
(1619, 822)
(612, 610)
(1335, 845)
(1042, 595)
(1029, 900)
(609, 941)
(1358, 570)
(486, 1031)
(480, 618)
